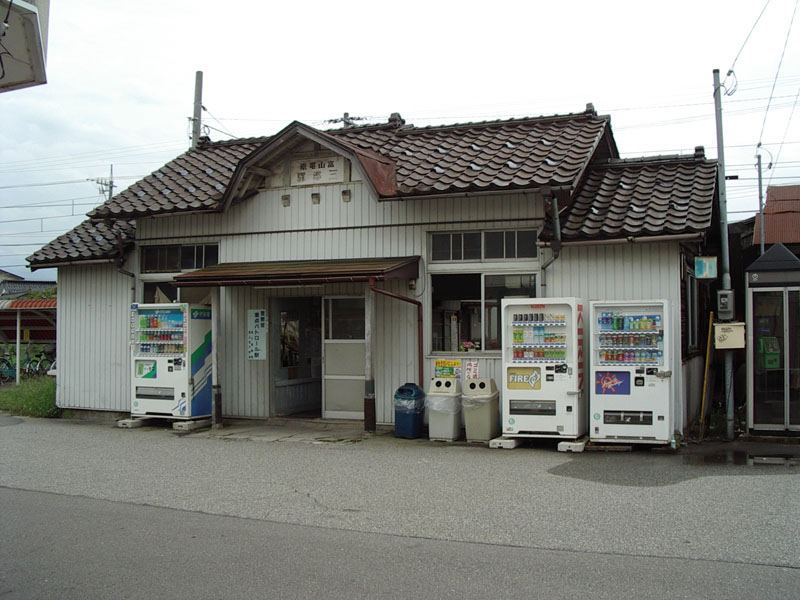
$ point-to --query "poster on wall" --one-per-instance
(448, 368)
(471, 369)
(257, 334)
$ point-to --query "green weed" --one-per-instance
(34, 397)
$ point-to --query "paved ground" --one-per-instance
(720, 508)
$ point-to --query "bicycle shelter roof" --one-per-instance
(36, 320)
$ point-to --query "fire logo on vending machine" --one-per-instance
(524, 378)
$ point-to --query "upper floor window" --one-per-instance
(483, 245)
(171, 259)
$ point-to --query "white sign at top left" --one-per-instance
(316, 171)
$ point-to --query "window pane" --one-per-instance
(498, 287)
(173, 258)
(472, 246)
(211, 255)
(458, 240)
(494, 244)
(511, 244)
(290, 340)
(440, 246)
(149, 259)
(456, 314)
(526, 244)
(187, 257)
(346, 319)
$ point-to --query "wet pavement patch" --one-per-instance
(737, 457)
(5, 421)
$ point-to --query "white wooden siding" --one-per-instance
(93, 338)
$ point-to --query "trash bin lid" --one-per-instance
(409, 391)
(445, 386)
(484, 386)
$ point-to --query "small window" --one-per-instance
(345, 319)
(488, 245)
(171, 259)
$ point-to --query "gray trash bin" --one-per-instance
(443, 403)
(481, 410)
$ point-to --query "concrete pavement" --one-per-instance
(638, 504)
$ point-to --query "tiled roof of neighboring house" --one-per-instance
(15, 289)
(493, 155)
(781, 216)
(5, 276)
(642, 197)
(193, 181)
(88, 241)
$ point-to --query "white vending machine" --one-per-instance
(171, 360)
(543, 367)
(631, 388)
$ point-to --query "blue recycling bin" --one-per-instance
(409, 406)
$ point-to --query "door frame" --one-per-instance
(751, 355)
(327, 414)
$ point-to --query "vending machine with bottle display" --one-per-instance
(171, 360)
(631, 386)
(543, 367)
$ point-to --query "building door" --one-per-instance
(296, 357)
(775, 355)
(343, 357)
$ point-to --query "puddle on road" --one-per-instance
(741, 458)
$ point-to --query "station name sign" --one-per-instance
(317, 171)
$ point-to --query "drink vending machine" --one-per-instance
(631, 387)
(171, 360)
(543, 367)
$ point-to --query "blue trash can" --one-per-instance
(409, 406)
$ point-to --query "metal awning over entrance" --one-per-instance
(31, 321)
(302, 272)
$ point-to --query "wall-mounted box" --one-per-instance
(728, 336)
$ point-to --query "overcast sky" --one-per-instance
(121, 84)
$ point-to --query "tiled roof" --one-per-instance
(642, 197)
(15, 289)
(781, 216)
(88, 241)
(196, 180)
(493, 155)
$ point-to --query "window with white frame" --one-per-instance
(466, 308)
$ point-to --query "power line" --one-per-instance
(70, 181)
(777, 72)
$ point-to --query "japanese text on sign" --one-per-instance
(257, 334)
(448, 368)
(314, 171)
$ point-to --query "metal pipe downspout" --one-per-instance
(555, 245)
(419, 320)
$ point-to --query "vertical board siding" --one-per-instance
(627, 272)
(93, 338)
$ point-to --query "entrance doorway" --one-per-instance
(344, 357)
(775, 359)
(296, 357)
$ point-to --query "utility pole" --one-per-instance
(760, 206)
(726, 264)
(198, 106)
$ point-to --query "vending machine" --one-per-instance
(631, 381)
(543, 367)
(171, 360)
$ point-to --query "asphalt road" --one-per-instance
(91, 511)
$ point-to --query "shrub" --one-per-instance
(34, 397)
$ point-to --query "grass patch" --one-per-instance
(34, 397)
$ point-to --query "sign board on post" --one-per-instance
(728, 336)
(705, 267)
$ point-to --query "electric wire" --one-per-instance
(226, 132)
(777, 72)
(780, 147)
(738, 54)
